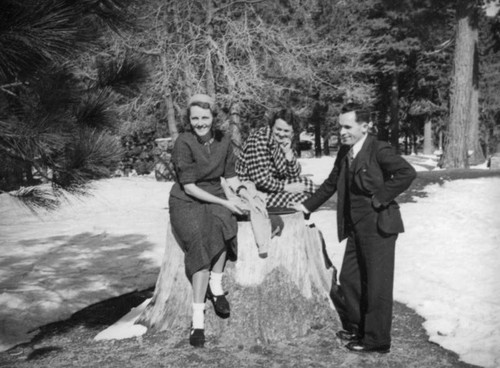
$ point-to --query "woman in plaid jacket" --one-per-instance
(268, 160)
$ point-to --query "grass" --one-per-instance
(70, 343)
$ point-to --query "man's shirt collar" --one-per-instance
(356, 147)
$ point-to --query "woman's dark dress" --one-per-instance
(202, 229)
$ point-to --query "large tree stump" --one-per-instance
(276, 298)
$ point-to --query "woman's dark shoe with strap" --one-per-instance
(221, 305)
(197, 337)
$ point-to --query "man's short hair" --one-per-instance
(362, 114)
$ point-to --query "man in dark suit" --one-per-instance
(367, 176)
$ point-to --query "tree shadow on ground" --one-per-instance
(92, 318)
(84, 269)
(70, 341)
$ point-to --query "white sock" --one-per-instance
(216, 283)
(199, 315)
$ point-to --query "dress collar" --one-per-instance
(207, 139)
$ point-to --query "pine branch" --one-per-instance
(93, 155)
(57, 88)
(125, 77)
(36, 198)
(35, 138)
(94, 110)
(38, 33)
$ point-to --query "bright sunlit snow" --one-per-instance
(109, 244)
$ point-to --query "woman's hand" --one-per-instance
(244, 194)
(296, 206)
(286, 147)
(233, 207)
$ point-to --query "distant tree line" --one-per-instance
(420, 66)
(86, 86)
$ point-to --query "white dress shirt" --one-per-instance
(356, 147)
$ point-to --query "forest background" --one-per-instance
(87, 86)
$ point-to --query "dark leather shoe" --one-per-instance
(221, 305)
(197, 337)
(347, 336)
(359, 347)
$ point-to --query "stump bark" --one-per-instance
(272, 299)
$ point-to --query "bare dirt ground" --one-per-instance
(70, 343)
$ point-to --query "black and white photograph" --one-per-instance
(254, 183)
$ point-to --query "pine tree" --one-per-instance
(403, 35)
(489, 86)
(57, 123)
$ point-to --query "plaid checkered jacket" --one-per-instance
(263, 162)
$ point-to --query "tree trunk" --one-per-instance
(383, 127)
(172, 126)
(428, 146)
(455, 155)
(235, 127)
(476, 156)
(210, 79)
(210, 75)
(326, 144)
(317, 138)
(169, 104)
(394, 123)
(273, 299)
(318, 119)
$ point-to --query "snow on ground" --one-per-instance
(446, 262)
(89, 250)
(58, 263)
(447, 267)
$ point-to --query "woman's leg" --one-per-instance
(220, 263)
(200, 284)
(216, 273)
(217, 295)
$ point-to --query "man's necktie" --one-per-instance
(350, 157)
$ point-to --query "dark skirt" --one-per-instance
(203, 231)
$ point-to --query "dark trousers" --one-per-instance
(366, 281)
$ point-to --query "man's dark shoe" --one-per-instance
(221, 305)
(347, 336)
(359, 347)
(197, 337)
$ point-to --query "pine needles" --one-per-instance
(57, 121)
(36, 198)
(124, 77)
(94, 110)
(38, 34)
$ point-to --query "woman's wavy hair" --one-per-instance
(287, 115)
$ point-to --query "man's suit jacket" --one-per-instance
(377, 174)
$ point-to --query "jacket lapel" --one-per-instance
(364, 154)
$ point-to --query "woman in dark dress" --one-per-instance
(202, 218)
